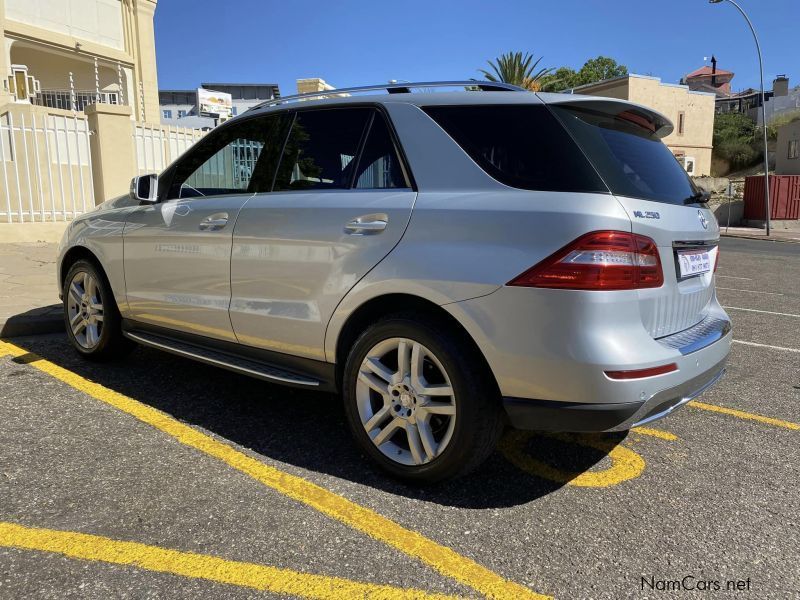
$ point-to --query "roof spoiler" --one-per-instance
(637, 114)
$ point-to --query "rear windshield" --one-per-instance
(523, 146)
(629, 157)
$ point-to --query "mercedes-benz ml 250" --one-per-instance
(449, 262)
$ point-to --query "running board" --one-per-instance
(220, 359)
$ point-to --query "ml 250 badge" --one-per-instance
(646, 214)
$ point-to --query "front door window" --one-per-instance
(239, 159)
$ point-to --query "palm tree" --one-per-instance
(517, 69)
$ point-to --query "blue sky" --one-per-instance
(357, 43)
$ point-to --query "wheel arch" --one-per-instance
(71, 256)
(384, 305)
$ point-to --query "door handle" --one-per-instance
(367, 224)
(214, 222)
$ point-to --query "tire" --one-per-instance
(91, 316)
(421, 437)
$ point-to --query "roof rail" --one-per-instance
(395, 88)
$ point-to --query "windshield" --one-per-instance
(628, 155)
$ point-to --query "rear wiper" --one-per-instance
(699, 196)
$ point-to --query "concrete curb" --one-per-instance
(39, 321)
(762, 238)
(26, 233)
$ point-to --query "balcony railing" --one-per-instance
(65, 99)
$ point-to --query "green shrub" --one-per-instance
(736, 140)
(733, 126)
(738, 153)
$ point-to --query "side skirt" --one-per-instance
(273, 367)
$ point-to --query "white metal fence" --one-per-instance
(45, 167)
(156, 146)
(46, 163)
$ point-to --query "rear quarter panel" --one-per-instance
(464, 245)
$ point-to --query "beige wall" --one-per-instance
(144, 51)
(113, 160)
(670, 100)
(97, 21)
(616, 88)
(783, 164)
(698, 109)
(311, 85)
(4, 59)
(52, 69)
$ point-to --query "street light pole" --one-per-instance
(763, 107)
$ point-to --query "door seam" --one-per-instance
(230, 266)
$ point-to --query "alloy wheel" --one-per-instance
(85, 309)
(406, 401)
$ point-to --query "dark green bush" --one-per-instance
(736, 140)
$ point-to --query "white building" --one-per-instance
(179, 107)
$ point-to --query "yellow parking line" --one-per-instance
(745, 415)
(664, 435)
(443, 559)
(198, 566)
(625, 463)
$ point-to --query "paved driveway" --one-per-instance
(156, 477)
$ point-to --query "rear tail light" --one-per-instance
(641, 373)
(601, 260)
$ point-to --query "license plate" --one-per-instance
(694, 262)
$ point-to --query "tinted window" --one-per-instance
(236, 159)
(321, 149)
(379, 166)
(632, 160)
(522, 146)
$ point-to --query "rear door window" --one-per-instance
(321, 149)
(379, 165)
(630, 157)
(523, 146)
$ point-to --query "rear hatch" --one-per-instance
(623, 142)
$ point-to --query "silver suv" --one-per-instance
(451, 262)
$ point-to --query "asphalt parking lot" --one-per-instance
(156, 477)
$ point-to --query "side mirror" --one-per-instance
(144, 188)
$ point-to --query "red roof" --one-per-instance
(705, 71)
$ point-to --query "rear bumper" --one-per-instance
(551, 351)
(543, 415)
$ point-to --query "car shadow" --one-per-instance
(308, 429)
